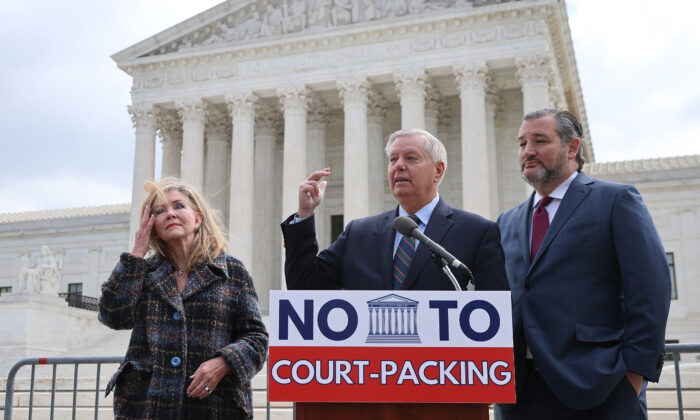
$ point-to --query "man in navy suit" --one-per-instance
(362, 258)
(590, 284)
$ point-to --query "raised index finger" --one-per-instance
(317, 175)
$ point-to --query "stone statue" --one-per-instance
(272, 22)
(321, 13)
(296, 18)
(252, 26)
(341, 12)
(355, 11)
(416, 7)
(49, 272)
(372, 12)
(28, 277)
(215, 37)
(395, 8)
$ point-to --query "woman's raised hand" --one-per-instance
(143, 235)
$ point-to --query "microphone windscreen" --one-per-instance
(404, 225)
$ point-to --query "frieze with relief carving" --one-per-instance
(186, 71)
(272, 18)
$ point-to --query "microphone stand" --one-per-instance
(445, 266)
(442, 263)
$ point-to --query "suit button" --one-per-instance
(177, 316)
(175, 361)
(527, 287)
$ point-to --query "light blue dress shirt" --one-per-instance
(423, 214)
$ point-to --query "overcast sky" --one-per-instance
(67, 140)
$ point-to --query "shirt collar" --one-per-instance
(559, 192)
(424, 213)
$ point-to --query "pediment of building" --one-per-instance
(239, 22)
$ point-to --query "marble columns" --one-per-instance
(144, 119)
(216, 170)
(353, 95)
(410, 88)
(317, 122)
(432, 111)
(171, 138)
(265, 268)
(493, 103)
(193, 115)
(473, 79)
(534, 74)
(376, 154)
(294, 104)
(242, 198)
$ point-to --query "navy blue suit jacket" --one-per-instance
(593, 304)
(362, 256)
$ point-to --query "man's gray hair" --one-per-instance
(568, 128)
(433, 146)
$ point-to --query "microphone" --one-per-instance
(408, 227)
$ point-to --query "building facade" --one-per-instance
(249, 97)
(245, 99)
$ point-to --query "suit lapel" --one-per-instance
(437, 227)
(523, 219)
(385, 247)
(577, 192)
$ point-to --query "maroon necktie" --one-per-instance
(540, 224)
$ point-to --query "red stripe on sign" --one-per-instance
(43, 360)
(391, 374)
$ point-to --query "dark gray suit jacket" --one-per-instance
(362, 256)
(593, 304)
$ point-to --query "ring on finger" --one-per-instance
(206, 388)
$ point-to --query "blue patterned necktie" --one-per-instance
(404, 256)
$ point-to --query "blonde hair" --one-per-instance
(209, 240)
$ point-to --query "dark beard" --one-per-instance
(547, 175)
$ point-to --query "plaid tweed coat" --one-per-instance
(216, 315)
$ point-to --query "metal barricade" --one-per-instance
(55, 361)
(676, 350)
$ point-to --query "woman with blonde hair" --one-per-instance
(197, 335)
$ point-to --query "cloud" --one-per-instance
(63, 102)
(65, 190)
(638, 66)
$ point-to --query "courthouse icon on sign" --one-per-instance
(393, 319)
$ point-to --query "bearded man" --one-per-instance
(589, 280)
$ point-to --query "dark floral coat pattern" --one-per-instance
(217, 314)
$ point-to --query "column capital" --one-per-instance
(377, 106)
(472, 75)
(411, 81)
(535, 69)
(444, 115)
(143, 115)
(556, 97)
(293, 97)
(192, 110)
(241, 104)
(494, 104)
(353, 90)
(218, 124)
(268, 117)
(169, 127)
(317, 111)
(433, 99)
